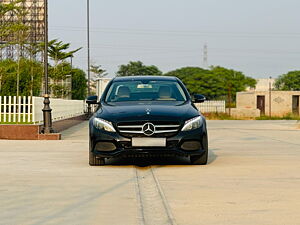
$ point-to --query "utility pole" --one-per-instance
(270, 96)
(88, 54)
(205, 56)
(47, 128)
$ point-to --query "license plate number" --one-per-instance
(149, 142)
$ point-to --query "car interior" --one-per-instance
(165, 93)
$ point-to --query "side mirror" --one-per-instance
(199, 98)
(92, 100)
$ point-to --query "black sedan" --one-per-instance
(147, 116)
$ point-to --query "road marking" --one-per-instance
(152, 202)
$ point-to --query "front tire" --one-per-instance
(201, 159)
(95, 161)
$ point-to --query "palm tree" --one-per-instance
(57, 51)
(98, 71)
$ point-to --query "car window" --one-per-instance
(150, 91)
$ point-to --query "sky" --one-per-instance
(259, 37)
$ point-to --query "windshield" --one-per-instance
(150, 91)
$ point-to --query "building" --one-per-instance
(33, 17)
(263, 84)
(101, 84)
(274, 103)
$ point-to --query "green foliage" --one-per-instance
(24, 76)
(18, 28)
(232, 82)
(137, 69)
(289, 81)
(218, 116)
(235, 80)
(79, 84)
(215, 83)
(60, 71)
(57, 51)
(288, 116)
(31, 78)
(11, 118)
(31, 73)
(198, 80)
(58, 75)
(98, 71)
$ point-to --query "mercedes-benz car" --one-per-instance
(143, 116)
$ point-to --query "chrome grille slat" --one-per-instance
(165, 131)
(136, 129)
(167, 126)
(130, 126)
(131, 131)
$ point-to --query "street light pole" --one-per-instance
(88, 54)
(270, 96)
(88, 45)
(47, 128)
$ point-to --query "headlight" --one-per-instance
(193, 124)
(103, 125)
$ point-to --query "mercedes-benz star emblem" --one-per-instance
(149, 129)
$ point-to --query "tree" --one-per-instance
(15, 31)
(59, 75)
(30, 84)
(98, 71)
(137, 69)
(199, 81)
(79, 84)
(232, 82)
(7, 28)
(57, 51)
(215, 83)
(289, 81)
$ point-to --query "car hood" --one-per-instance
(130, 112)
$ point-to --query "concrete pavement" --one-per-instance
(253, 178)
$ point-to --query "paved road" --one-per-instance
(253, 177)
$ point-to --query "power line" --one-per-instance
(182, 32)
(205, 56)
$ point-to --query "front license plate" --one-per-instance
(149, 142)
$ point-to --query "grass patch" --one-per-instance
(225, 116)
(286, 117)
(8, 123)
(218, 116)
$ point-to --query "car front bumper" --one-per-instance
(123, 145)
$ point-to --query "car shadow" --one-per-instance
(160, 161)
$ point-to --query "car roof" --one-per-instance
(146, 78)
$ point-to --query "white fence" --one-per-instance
(29, 110)
(212, 107)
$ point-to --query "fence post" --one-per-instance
(24, 109)
(29, 110)
(19, 109)
(0, 109)
(9, 109)
(4, 109)
(14, 109)
(33, 110)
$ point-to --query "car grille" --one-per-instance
(135, 129)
